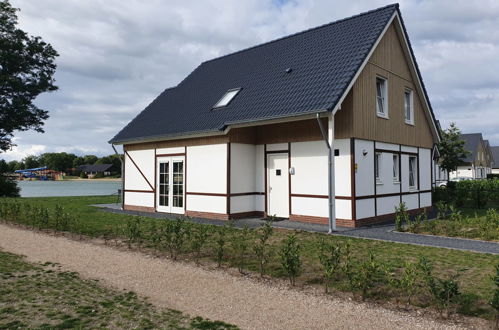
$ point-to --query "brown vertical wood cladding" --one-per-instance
(357, 116)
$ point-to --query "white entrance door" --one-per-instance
(170, 194)
(278, 185)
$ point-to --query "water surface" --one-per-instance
(68, 188)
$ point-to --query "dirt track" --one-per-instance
(216, 295)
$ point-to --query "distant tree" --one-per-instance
(14, 165)
(451, 148)
(111, 159)
(4, 167)
(31, 161)
(26, 70)
(58, 161)
(78, 161)
(90, 159)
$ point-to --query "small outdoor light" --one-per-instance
(364, 152)
(292, 170)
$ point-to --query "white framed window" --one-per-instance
(381, 97)
(413, 175)
(228, 96)
(377, 166)
(396, 177)
(408, 107)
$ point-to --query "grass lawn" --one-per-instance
(475, 270)
(44, 297)
(466, 223)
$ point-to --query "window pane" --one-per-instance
(227, 98)
(407, 105)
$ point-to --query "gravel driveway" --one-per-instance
(217, 295)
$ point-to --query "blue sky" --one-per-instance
(117, 56)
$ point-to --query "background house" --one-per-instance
(478, 163)
(92, 170)
(495, 157)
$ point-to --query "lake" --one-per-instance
(68, 188)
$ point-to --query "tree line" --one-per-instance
(59, 161)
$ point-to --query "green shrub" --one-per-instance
(494, 302)
(290, 257)
(407, 281)
(444, 291)
(133, 231)
(261, 246)
(83, 175)
(401, 216)
(364, 276)
(199, 237)
(330, 260)
(220, 242)
(240, 244)
(8, 187)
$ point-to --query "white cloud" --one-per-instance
(117, 56)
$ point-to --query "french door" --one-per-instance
(170, 192)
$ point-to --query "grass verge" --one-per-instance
(44, 297)
(475, 270)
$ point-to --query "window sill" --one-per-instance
(409, 123)
(382, 116)
(379, 182)
(396, 182)
(413, 189)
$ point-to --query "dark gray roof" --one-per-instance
(95, 167)
(472, 141)
(323, 61)
(495, 156)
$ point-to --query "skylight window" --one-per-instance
(225, 100)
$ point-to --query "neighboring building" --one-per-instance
(495, 159)
(240, 136)
(92, 170)
(478, 163)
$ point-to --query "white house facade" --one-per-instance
(247, 134)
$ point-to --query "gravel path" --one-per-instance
(217, 295)
(380, 232)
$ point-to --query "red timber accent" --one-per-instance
(207, 215)
(139, 208)
(251, 214)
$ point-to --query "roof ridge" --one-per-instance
(395, 5)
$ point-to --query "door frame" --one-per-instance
(266, 176)
(171, 159)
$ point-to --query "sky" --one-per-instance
(116, 56)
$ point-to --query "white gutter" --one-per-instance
(329, 140)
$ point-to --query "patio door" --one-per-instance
(170, 192)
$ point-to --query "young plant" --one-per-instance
(494, 302)
(133, 231)
(366, 275)
(407, 281)
(290, 258)
(444, 291)
(240, 245)
(442, 209)
(401, 216)
(199, 237)
(261, 246)
(330, 259)
(179, 231)
(220, 242)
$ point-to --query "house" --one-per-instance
(495, 158)
(92, 170)
(248, 134)
(478, 163)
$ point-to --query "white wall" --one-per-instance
(213, 204)
(425, 169)
(425, 200)
(386, 205)
(207, 173)
(364, 174)
(411, 201)
(207, 168)
(310, 161)
(139, 199)
(174, 150)
(365, 208)
(144, 159)
(463, 172)
(242, 179)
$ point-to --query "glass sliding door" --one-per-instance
(170, 192)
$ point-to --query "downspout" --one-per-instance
(122, 171)
(330, 171)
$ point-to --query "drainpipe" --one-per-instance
(122, 171)
(328, 139)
